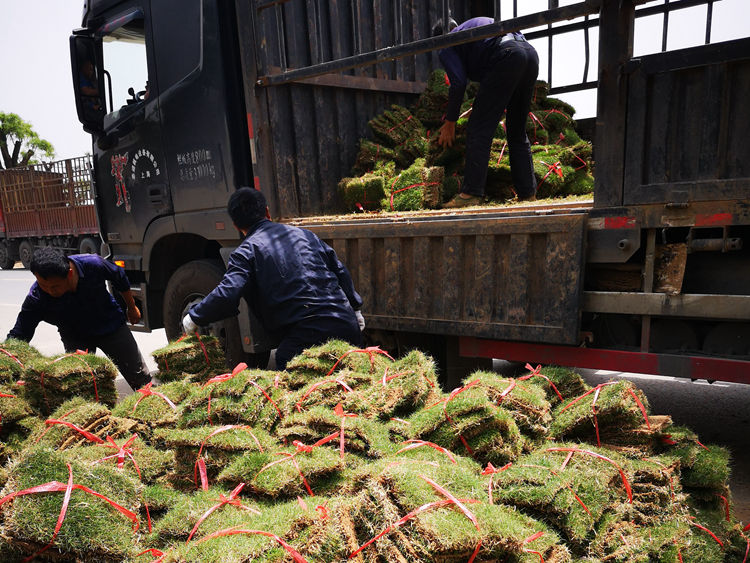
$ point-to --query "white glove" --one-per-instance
(360, 320)
(188, 325)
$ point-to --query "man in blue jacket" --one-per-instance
(506, 69)
(70, 293)
(292, 281)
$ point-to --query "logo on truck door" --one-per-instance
(144, 167)
(118, 165)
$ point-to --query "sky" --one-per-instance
(37, 83)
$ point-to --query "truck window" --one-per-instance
(177, 47)
(125, 63)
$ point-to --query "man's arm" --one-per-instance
(121, 283)
(28, 319)
(224, 300)
(133, 312)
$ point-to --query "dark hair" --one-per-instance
(438, 28)
(48, 262)
(246, 207)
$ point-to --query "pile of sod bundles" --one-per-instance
(49, 382)
(403, 168)
(194, 357)
(350, 452)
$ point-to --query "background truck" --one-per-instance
(50, 204)
(651, 276)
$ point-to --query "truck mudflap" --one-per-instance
(499, 276)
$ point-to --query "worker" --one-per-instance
(292, 281)
(506, 69)
(70, 292)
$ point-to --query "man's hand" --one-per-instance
(188, 325)
(447, 134)
(134, 314)
(360, 320)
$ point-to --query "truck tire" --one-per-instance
(190, 284)
(88, 245)
(25, 251)
(6, 262)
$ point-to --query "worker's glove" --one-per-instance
(188, 325)
(360, 320)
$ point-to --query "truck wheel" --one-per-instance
(25, 250)
(6, 262)
(88, 246)
(188, 286)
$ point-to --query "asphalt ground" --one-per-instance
(719, 413)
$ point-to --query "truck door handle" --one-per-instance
(157, 194)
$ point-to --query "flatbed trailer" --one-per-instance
(651, 275)
(50, 204)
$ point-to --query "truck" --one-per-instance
(651, 275)
(47, 204)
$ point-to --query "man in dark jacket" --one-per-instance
(292, 281)
(506, 69)
(70, 292)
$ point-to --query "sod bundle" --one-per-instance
(153, 409)
(404, 387)
(51, 382)
(612, 409)
(218, 446)
(193, 357)
(362, 436)
(77, 420)
(14, 355)
(274, 474)
(468, 422)
(248, 398)
(92, 530)
(325, 361)
(364, 192)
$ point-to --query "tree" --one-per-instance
(19, 142)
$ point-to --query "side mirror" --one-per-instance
(88, 82)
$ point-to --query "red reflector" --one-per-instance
(619, 222)
(713, 219)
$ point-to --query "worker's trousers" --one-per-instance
(508, 87)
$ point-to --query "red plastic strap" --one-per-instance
(536, 372)
(153, 552)
(556, 168)
(122, 451)
(81, 431)
(531, 539)
(419, 443)
(746, 528)
(11, 356)
(725, 503)
(370, 350)
(599, 456)
(205, 353)
(339, 411)
(56, 487)
(502, 152)
(457, 391)
(709, 532)
(146, 391)
(201, 464)
(318, 384)
(491, 470)
(231, 499)
(301, 448)
(220, 379)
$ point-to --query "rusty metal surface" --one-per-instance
(517, 278)
(48, 199)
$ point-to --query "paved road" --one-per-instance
(719, 413)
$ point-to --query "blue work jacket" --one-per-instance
(286, 275)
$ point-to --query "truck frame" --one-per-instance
(49, 204)
(651, 276)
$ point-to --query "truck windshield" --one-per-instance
(125, 63)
